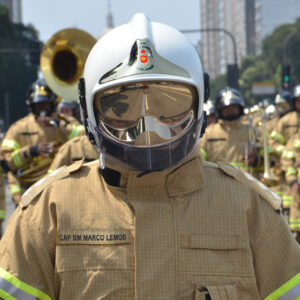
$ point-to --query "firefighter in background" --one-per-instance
(70, 108)
(288, 108)
(30, 143)
(210, 109)
(2, 193)
(161, 224)
(231, 139)
(290, 163)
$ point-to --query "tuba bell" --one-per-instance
(62, 61)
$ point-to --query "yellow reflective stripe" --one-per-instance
(296, 143)
(298, 174)
(74, 132)
(23, 286)
(294, 223)
(238, 164)
(279, 193)
(11, 144)
(6, 296)
(50, 171)
(2, 214)
(288, 154)
(17, 158)
(14, 188)
(269, 148)
(278, 137)
(285, 288)
(280, 149)
(80, 128)
(291, 171)
(286, 201)
(204, 154)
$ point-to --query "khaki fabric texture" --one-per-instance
(162, 235)
(74, 150)
(225, 141)
(26, 133)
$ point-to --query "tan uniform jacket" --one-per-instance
(290, 162)
(286, 126)
(176, 234)
(74, 150)
(16, 148)
(2, 192)
(226, 141)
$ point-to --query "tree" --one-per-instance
(17, 72)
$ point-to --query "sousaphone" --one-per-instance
(62, 61)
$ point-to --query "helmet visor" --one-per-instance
(146, 113)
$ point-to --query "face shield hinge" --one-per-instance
(204, 123)
(82, 99)
(206, 86)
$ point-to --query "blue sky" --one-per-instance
(50, 16)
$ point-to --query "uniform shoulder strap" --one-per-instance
(243, 177)
(40, 185)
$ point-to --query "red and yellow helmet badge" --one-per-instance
(144, 57)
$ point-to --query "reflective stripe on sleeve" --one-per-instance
(296, 143)
(74, 132)
(290, 171)
(294, 224)
(204, 154)
(238, 164)
(280, 149)
(17, 158)
(286, 201)
(11, 144)
(14, 188)
(18, 289)
(278, 137)
(288, 154)
(289, 291)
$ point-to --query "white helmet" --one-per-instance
(143, 92)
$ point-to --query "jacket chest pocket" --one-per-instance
(214, 255)
(220, 292)
(94, 250)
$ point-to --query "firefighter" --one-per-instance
(2, 193)
(30, 143)
(149, 220)
(71, 110)
(231, 137)
(288, 124)
(74, 150)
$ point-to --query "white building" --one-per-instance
(14, 9)
(249, 21)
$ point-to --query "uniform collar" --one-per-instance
(180, 180)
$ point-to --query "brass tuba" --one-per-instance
(62, 61)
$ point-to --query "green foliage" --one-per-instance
(16, 70)
(216, 85)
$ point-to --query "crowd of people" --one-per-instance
(152, 198)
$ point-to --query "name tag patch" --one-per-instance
(93, 237)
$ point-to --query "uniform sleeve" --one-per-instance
(276, 254)
(27, 257)
(288, 161)
(62, 158)
(277, 139)
(15, 155)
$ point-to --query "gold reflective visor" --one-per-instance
(163, 108)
